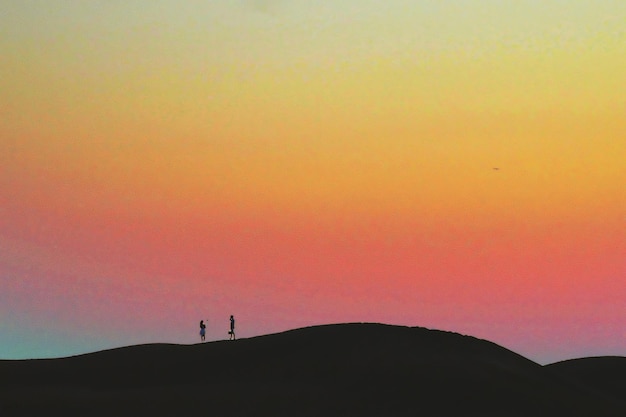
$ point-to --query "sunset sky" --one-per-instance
(457, 165)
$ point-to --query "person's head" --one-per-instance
(231, 316)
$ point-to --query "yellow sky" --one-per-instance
(336, 156)
(353, 110)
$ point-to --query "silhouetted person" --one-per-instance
(232, 329)
(202, 330)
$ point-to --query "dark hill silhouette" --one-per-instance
(606, 374)
(332, 370)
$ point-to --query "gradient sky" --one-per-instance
(306, 162)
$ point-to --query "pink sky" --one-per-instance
(298, 164)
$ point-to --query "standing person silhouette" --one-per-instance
(202, 330)
(232, 328)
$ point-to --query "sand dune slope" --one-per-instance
(606, 375)
(332, 370)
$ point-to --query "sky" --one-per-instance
(456, 165)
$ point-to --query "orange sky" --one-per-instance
(297, 163)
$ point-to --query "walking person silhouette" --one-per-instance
(232, 328)
(202, 330)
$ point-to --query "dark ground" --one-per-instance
(332, 370)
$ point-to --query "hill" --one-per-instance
(331, 370)
(606, 375)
